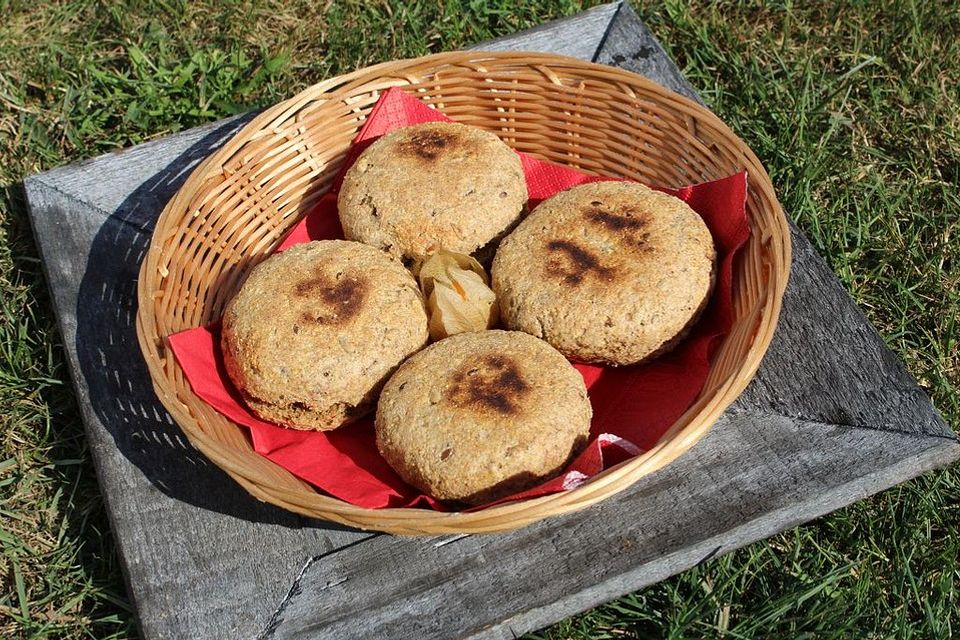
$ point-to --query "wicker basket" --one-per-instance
(240, 202)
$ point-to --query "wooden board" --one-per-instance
(831, 418)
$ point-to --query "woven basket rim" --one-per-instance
(689, 429)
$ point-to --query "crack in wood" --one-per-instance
(455, 538)
(296, 588)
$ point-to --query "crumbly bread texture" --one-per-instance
(611, 273)
(479, 416)
(315, 331)
(433, 185)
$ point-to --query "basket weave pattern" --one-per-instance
(241, 201)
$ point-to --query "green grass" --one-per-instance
(853, 107)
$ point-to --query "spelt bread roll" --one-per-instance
(315, 331)
(611, 273)
(432, 185)
(479, 416)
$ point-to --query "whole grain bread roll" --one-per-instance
(609, 272)
(315, 331)
(479, 416)
(433, 185)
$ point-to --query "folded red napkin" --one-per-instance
(632, 406)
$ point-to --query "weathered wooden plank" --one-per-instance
(839, 370)
(630, 45)
(578, 36)
(142, 178)
(744, 482)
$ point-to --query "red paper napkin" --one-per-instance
(632, 406)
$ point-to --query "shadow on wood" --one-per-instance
(109, 355)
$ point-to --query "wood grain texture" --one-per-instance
(840, 371)
(743, 482)
(578, 36)
(204, 559)
(628, 44)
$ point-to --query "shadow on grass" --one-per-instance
(85, 563)
(120, 390)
